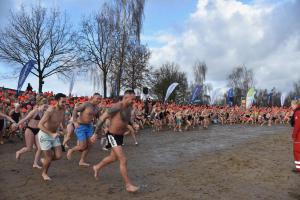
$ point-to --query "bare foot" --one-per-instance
(69, 154)
(96, 172)
(36, 166)
(84, 164)
(18, 155)
(46, 177)
(131, 188)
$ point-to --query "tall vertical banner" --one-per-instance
(72, 83)
(171, 88)
(282, 98)
(196, 93)
(24, 74)
(230, 96)
(250, 97)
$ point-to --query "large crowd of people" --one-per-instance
(26, 110)
(42, 120)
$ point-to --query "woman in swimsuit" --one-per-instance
(188, 119)
(32, 130)
(16, 115)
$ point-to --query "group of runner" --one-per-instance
(44, 124)
(43, 119)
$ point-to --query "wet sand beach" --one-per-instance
(223, 162)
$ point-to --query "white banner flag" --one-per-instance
(171, 88)
(282, 98)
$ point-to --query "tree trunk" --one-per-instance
(133, 81)
(104, 84)
(40, 83)
(119, 81)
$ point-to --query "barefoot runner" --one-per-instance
(120, 116)
(32, 130)
(48, 135)
(84, 127)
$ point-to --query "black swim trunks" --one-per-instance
(114, 140)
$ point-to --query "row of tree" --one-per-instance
(107, 44)
(241, 79)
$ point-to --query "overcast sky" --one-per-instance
(263, 35)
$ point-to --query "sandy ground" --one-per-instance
(230, 162)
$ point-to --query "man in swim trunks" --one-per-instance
(48, 135)
(120, 116)
(84, 127)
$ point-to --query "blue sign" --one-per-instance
(196, 92)
(24, 74)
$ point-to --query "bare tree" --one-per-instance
(262, 97)
(241, 80)
(295, 93)
(137, 71)
(42, 36)
(167, 74)
(129, 25)
(296, 90)
(200, 70)
(97, 44)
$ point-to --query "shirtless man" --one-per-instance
(48, 135)
(84, 127)
(119, 115)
